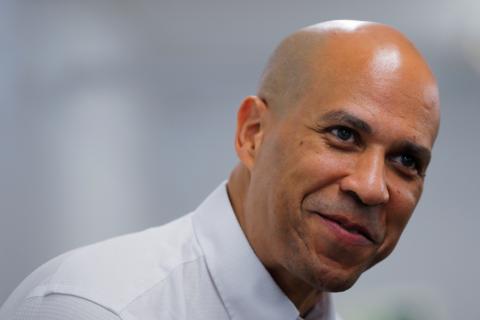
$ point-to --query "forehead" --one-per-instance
(395, 106)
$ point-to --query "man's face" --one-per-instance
(338, 176)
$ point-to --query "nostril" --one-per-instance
(356, 197)
(361, 202)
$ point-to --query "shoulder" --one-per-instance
(115, 272)
(60, 307)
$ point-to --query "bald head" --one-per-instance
(330, 55)
(339, 134)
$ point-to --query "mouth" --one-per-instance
(345, 229)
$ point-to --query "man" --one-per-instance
(333, 153)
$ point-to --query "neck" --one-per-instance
(302, 295)
(237, 186)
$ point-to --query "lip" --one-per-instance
(344, 229)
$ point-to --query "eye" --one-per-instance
(409, 164)
(343, 133)
(408, 161)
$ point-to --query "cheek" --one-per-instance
(404, 199)
(398, 212)
(316, 165)
(297, 173)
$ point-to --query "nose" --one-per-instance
(367, 180)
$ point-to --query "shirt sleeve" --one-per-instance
(62, 307)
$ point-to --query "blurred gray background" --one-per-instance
(119, 115)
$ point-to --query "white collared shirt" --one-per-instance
(199, 266)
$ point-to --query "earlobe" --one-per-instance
(250, 129)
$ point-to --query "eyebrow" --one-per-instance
(416, 150)
(346, 117)
(411, 147)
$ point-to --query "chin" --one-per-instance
(338, 285)
(334, 278)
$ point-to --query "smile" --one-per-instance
(347, 231)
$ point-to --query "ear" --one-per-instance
(251, 121)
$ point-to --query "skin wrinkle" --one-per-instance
(288, 172)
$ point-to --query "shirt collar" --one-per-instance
(245, 286)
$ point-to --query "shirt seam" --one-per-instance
(214, 280)
(138, 296)
(39, 290)
(78, 297)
